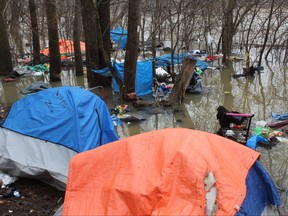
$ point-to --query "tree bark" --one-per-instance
(106, 58)
(54, 52)
(104, 18)
(103, 7)
(15, 27)
(132, 48)
(89, 12)
(6, 66)
(182, 81)
(229, 29)
(267, 33)
(76, 39)
(35, 32)
(285, 60)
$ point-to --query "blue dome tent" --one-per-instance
(44, 130)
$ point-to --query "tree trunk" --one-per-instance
(182, 81)
(106, 58)
(132, 48)
(228, 32)
(285, 60)
(267, 33)
(104, 19)
(15, 28)
(42, 27)
(76, 39)
(54, 52)
(88, 10)
(35, 32)
(6, 66)
(143, 25)
(153, 50)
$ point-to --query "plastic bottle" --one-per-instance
(16, 193)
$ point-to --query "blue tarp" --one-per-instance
(166, 60)
(104, 72)
(119, 35)
(260, 190)
(282, 116)
(70, 116)
(252, 141)
(144, 77)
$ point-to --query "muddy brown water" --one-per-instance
(261, 95)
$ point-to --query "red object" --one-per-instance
(211, 58)
(239, 114)
(235, 126)
(277, 124)
(9, 79)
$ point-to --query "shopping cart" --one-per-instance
(234, 125)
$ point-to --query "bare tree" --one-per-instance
(118, 12)
(174, 26)
(104, 17)
(233, 15)
(142, 26)
(228, 28)
(54, 52)
(103, 53)
(6, 66)
(104, 35)
(91, 43)
(35, 32)
(276, 20)
(42, 26)
(189, 26)
(267, 32)
(76, 39)
(14, 25)
(132, 47)
(94, 44)
(285, 60)
(281, 17)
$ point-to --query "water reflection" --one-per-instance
(10, 91)
(226, 79)
(262, 94)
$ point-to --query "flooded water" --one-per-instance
(260, 95)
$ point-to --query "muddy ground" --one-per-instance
(36, 198)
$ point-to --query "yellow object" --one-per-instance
(247, 63)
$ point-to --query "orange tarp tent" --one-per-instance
(158, 173)
(66, 48)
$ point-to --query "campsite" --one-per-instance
(143, 107)
(203, 110)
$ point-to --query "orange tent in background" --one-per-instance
(158, 173)
(66, 48)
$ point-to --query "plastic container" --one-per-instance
(16, 194)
